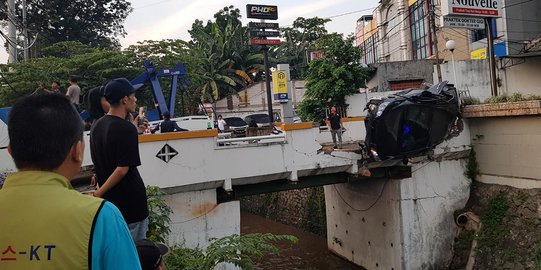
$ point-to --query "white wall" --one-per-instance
(197, 217)
(471, 75)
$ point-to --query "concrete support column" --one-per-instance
(398, 224)
(197, 217)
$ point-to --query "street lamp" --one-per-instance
(451, 45)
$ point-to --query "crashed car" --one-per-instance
(411, 122)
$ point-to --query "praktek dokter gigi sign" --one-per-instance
(477, 8)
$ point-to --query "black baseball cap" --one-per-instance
(118, 88)
(150, 253)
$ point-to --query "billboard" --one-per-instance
(477, 8)
(263, 12)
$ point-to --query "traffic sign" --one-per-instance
(463, 22)
(265, 42)
(263, 25)
(264, 34)
(262, 12)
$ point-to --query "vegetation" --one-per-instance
(333, 77)
(494, 229)
(299, 40)
(515, 97)
(93, 23)
(234, 249)
(158, 219)
(472, 166)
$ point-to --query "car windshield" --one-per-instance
(259, 118)
(235, 122)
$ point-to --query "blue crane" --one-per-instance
(152, 74)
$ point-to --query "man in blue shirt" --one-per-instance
(49, 225)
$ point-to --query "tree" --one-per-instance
(300, 39)
(226, 62)
(92, 67)
(333, 77)
(96, 23)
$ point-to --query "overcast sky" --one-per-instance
(162, 19)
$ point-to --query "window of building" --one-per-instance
(480, 34)
(371, 51)
(419, 25)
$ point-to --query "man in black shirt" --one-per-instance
(114, 149)
(167, 125)
(334, 123)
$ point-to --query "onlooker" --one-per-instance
(55, 87)
(96, 104)
(334, 123)
(151, 254)
(45, 223)
(221, 123)
(74, 92)
(114, 149)
(167, 125)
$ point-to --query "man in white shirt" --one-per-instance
(73, 93)
(221, 124)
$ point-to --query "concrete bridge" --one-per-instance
(376, 222)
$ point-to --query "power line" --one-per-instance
(351, 12)
(370, 206)
(511, 5)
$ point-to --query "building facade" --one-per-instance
(401, 30)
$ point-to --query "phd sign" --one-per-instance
(477, 8)
(262, 12)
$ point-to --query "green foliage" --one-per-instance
(299, 39)
(158, 218)
(92, 67)
(234, 249)
(494, 229)
(332, 78)
(316, 209)
(94, 23)
(472, 166)
(470, 101)
(515, 97)
(225, 62)
(536, 255)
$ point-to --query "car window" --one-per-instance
(235, 121)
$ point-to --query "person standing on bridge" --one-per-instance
(45, 223)
(334, 123)
(114, 148)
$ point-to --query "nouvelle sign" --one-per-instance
(477, 8)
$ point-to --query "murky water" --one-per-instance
(310, 253)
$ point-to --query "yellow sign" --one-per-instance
(279, 85)
(479, 54)
(411, 2)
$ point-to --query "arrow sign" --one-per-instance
(263, 25)
(265, 42)
(264, 34)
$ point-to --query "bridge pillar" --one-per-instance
(197, 217)
(398, 224)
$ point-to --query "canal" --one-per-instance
(310, 253)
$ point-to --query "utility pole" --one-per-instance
(25, 33)
(491, 60)
(435, 38)
(12, 33)
(267, 83)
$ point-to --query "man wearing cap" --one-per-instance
(151, 254)
(114, 149)
(45, 223)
